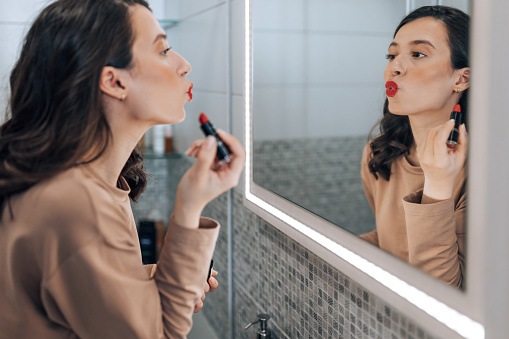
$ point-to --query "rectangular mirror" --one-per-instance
(314, 90)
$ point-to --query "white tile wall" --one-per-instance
(284, 15)
(15, 19)
(373, 16)
(318, 65)
(21, 10)
(194, 7)
(238, 49)
(202, 40)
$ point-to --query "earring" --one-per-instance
(457, 90)
(122, 98)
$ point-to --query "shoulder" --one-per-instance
(366, 152)
(60, 205)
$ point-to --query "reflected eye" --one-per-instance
(390, 57)
(165, 52)
(418, 55)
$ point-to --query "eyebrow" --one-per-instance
(160, 36)
(415, 42)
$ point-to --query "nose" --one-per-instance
(397, 66)
(185, 66)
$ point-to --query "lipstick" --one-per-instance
(452, 142)
(391, 88)
(223, 152)
(190, 92)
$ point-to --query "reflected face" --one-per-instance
(157, 86)
(419, 76)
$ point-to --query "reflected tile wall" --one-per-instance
(319, 174)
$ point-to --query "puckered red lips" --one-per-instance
(190, 92)
(391, 88)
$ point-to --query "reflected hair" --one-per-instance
(395, 136)
(55, 117)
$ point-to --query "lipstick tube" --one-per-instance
(223, 152)
(452, 142)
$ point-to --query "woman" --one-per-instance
(92, 77)
(414, 183)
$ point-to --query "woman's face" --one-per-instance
(420, 64)
(157, 83)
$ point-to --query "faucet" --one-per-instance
(263, 332)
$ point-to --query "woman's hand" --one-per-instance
(207, 178)
(440, 164)
(211, 286)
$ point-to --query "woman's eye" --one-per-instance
(390, 57)
(165, 52)
(418, 55)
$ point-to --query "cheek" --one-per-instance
(437, 75)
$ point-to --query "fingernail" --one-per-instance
(188, 151)
(209, 141)
(212, 280)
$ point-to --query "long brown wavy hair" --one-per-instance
(396, 138)
(55, 118)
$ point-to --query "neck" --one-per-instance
(125, 136)
(420, 124)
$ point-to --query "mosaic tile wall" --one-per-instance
(273, 274)
(319, 174)
(306, 297)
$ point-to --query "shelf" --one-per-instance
(152, 155)
(166, 23)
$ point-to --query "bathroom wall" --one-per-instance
(15, 19)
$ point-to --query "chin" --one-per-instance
(175, 118)
(396, 109)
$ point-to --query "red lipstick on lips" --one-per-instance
(190, 92)
(391, 88)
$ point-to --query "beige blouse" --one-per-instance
(71, 265)
(428, 234)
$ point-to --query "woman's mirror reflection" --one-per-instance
(321, 116)
(415, 183)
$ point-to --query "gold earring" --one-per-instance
(457, 90)
(122, 98)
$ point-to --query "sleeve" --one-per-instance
(435, 236)
(367, 183)
(104, 291)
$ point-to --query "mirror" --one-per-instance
(318, 89)
(439, 305)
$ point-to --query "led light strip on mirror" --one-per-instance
(453, 319)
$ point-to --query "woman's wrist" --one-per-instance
(437, 192)
(185, 215)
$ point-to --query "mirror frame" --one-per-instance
(442, 309)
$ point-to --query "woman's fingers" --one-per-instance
(194, 148)
(239, 154)
(198, 306)
(462, 147)
(213, 284)
(206, 155)
(441, 150)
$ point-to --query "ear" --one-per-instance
(112, 84)
(463, 82)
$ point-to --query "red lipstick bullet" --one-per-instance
(452, 142)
